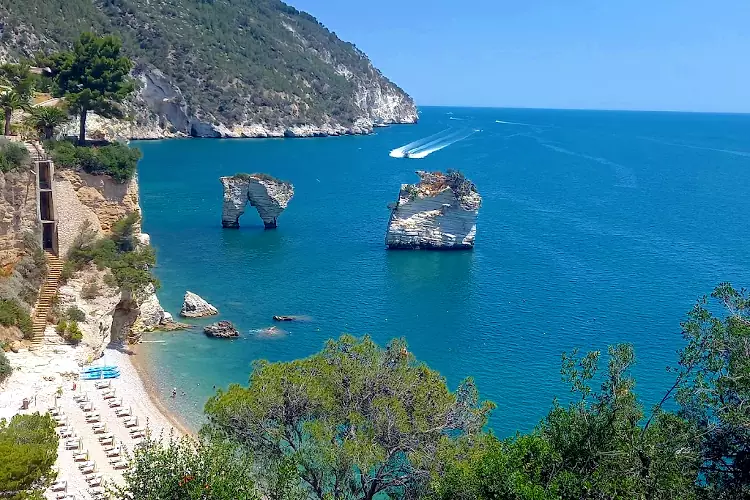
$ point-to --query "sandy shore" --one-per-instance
(39, 376)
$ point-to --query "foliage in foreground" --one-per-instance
(187, 469)
(116, 160)
(129, 263)
(355, 419)
(28, 450)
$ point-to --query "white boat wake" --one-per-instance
(513, 123)
(401, 152)
(443, 143)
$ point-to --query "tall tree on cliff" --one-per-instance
(17, 87)
(93, 77)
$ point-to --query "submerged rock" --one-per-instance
(222, 330)
(267, 194)
(439, 212)
(193, 306)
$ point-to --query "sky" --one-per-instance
(686, 55)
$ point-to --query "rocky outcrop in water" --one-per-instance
(193, 306)
(439, 212)
(221, 330)
(267, 194)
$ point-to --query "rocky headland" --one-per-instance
(268, 195)
(439, 212)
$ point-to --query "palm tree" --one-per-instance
(9, 101)
(46, 119)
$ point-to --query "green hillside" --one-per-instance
(224, 61)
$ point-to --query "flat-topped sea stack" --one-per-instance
(438, 213)
(267, 194)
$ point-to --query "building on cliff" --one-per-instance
(439, 212)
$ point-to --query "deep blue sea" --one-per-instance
(596, 228)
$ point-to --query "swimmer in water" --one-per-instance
(174, 391)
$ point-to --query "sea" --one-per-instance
(596, 228)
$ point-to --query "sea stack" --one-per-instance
(439, 213)
(267, 194)
(193, 306)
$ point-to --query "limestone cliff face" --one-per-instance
(18, 213)
(268, 195)
(96, 201)
(439, 212)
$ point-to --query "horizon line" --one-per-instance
(541, 108)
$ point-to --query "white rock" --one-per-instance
(193, 306)
(268, 195)
(439, 212)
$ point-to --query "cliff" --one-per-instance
(439, 212)
(267, 194)
(220, 68)
(18, 213)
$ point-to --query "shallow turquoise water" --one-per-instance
(596, 228)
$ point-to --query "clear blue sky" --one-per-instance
(691, 55)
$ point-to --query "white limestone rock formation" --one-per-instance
(195, 307)
(267, 194)
(439, 212)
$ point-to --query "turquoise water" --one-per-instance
(596, 228)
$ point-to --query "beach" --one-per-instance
(49, 379)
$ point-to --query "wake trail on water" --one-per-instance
(428, 150)
(744, 154)
(399, 152)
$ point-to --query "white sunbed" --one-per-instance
(103, 384)
(59, 486)
(73, 445)
(112, 453)
(119, 464)
(87, 463)
(81, 456)
(55, 412)
(98, 490)
(87, 406)
(81, 398)
(106, 437)
(63, 496)
(110, 394)
(124, 412)
(131, 423)
(107, 449)
(115, 403)
(66, 432)
(89, 469)
(59, 418)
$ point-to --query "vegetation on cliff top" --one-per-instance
(116, 159)
(234, 61)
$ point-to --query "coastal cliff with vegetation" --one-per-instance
(218, 68)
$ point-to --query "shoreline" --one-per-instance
(150, 388)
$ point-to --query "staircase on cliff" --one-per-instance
(47, 295)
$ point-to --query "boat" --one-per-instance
(99, 368)
(98, 376)
(283, 318)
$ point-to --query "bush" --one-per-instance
(75, 314)
(12, 314)
(74, 334)
(62, 327)
(28, 450)
(12, 156)
(5, 368)
(67, 272)
(90, 290)
(116, 160)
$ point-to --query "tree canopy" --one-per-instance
(355, 420)
(93, 77)
(28, 450)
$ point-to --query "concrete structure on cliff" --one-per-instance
(267, 194)
(439, 212)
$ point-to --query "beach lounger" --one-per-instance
(131, 423)
(73, 444)
(113, 453)
(55, 412)
(63, 496)
(107, 449)
(66, 432)
(124, 412)
(115, 403)
(89, 469)
(87, 407)
(87, 463)
(100, 430)
(80, 456)
(103, 384)
(92, 419)
(59, 486)
(81, 398)
(108, 441)
(118, 464)
(106, 437)
(97, 491)
(59, 418)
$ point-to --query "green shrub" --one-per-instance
(12, 156)
(5, 368)
(61, 327)
(67, 272)
(74, 334)
(28, 450)
(75, 314)
(90, 290)
(13, 314)
(116, 160)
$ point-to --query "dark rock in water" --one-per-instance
(222, 330)
(283, 318)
